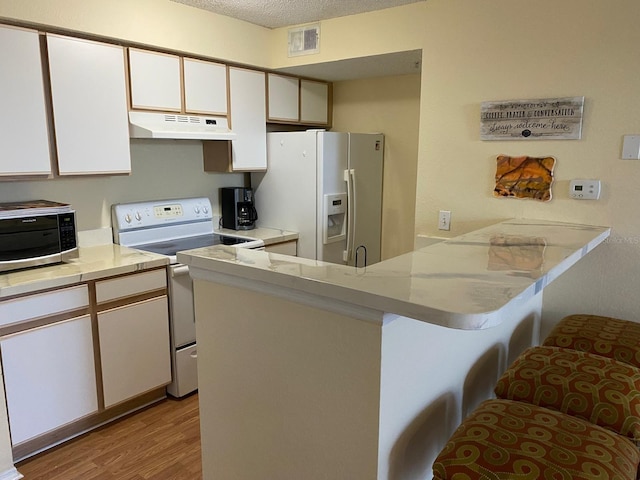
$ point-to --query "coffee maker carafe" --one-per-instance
(238, 209)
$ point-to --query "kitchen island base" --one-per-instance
(290, 391)
(312, 370)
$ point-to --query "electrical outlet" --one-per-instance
(444, 220)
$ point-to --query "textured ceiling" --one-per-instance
(281, 13)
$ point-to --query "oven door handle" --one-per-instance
(179, 271)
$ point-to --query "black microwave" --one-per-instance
(28, 239)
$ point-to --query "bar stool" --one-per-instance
(560, 413)
(600, 390)
(511, 439)
(610, 337)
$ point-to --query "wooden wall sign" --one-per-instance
(542, 119)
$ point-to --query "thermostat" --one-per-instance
(584, 189)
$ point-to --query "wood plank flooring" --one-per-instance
(161, 442)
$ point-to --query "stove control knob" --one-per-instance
(127, 218)
(138, 216)
(205, 209)
(196, 209)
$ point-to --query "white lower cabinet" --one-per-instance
(50, 377)
(134, 348)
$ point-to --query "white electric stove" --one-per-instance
(166, 227)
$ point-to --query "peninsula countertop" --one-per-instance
(462, 282)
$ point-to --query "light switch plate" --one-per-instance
(584, 189)
(631, 147)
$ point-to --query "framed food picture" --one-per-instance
(524, 177)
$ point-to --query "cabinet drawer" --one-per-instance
(43, 304)
(131, 285)
(186, 372)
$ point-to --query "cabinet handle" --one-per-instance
(194, 354)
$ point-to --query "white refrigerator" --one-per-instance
(327, 186)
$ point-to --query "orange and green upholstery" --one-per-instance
(598, 389)
(506, 439)
(606, 336)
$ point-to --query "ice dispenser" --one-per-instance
(334, 225)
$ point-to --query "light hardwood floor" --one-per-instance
(161, 442)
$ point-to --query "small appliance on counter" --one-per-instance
(35, 233)
(238, 209)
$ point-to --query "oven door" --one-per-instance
(181, 304)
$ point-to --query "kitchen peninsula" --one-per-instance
(315, 370)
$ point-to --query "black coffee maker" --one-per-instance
(238, 209)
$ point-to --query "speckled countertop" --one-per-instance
(463, 282)
(92, 263)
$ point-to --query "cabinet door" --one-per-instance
(248, 119)
(283, 98)
(89, 99)
(155, 81)
(134, 349)
(50, 378)
(24, 137)
(205, 87)
(314, 102)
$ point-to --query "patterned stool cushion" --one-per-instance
(594, 388)
(606, 336)
(503, 439)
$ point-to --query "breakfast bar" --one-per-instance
(315, 370)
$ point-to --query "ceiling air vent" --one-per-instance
(304, 40)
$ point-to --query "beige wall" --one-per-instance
(159, 23)
(390, 105)
(476, 51)
(516, 49)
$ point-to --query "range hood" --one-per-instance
(178, 126)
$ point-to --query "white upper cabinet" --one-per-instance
(293, 100)
(283, 98)
(89, 99)
(205, 87)
(24, 137)
(155, 81)
(247, 91)
(314, 102)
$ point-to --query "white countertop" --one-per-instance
(92, 263)
(458, 283)
(268, 235)
(105, 260)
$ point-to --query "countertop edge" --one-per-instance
(259, 272)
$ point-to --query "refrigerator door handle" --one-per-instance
(354, 212)
(350, 178)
